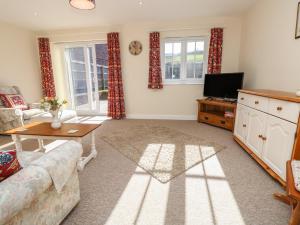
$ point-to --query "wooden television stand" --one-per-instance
(212, 111)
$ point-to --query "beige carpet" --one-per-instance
(163, 152)
(229, 188)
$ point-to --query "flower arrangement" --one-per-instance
(52, 104)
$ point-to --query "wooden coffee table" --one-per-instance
(41, 131)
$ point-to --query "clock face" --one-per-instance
(135, 47)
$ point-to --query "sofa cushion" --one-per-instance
(9, 163)
(27, 114)
(13, 101)
(26, 157)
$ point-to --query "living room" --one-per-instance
(148, 115)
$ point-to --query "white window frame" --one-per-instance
(183, 70)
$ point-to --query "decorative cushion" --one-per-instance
(14, 101)
(9, 163)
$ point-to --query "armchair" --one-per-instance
(11, 118)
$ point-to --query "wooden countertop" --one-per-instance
(281, 95)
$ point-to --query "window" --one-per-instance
(184, 60)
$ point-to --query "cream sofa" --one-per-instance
(45, 190)
(11, 118)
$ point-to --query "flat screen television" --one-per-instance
(224, 85)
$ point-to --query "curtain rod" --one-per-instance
(72, 34)
(77, 41)
(105, 32)
(188, 28)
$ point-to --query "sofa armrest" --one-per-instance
(18, 191)
(60, 162)
(10, 114)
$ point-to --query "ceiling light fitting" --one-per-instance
(83, 4)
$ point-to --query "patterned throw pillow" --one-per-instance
(9, 163)
(14, 101)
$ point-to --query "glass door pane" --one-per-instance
(78, 79)
(93, 79)
(102, 76)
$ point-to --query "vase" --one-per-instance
(56, 123)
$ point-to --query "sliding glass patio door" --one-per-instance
(87, 76)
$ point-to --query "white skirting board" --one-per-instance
(161, 117)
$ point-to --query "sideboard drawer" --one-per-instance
(283, 109)
(259, 103)
(244, 99)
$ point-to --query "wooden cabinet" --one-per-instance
(241, 122)
(213, 111)
(266, 128)
(256, 130)
(278, 144)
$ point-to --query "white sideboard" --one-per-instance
(266, 127)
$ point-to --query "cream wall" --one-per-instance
(270, 55)
(19, 63)
(173, 101)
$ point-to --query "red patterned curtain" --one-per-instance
(155, 80)
(116, 105)
(215, 51)
(46, 68)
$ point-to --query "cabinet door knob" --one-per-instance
(260, 136)
(256, 102)
(244, 125)
(242, 98)
(264, 138)
(222, 122)
(279, 108)
(206, 118)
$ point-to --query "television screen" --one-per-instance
(223, 85)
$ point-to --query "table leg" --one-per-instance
(84, 160)
(16, 138)
(41, 145)
(93, 146)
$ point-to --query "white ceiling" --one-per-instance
(58, 14)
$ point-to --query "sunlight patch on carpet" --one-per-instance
(163, 152)
(137, 200)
